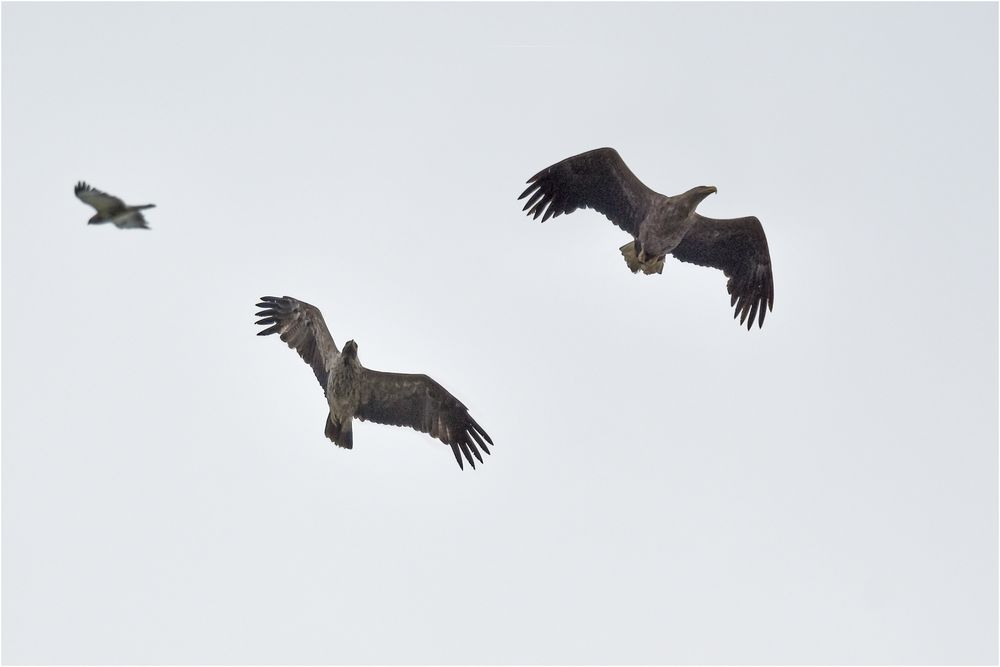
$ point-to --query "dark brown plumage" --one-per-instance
(660, 225)
(111, 209)
(397, 399)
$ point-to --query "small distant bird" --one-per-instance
(111, 209)
(660, 225)
(352, 390)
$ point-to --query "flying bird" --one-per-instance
(352, 390)
(660, 225)
(111, 209)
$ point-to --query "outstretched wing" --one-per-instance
(598, 179)
(104, 203)
(130, 220)
(739, 248)
(302, 327)
(421, 403)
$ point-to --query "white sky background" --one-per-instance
(665, 486)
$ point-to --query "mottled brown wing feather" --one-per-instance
(598, 179)
(102, 202)
(420, 403)
(739, 248)
(302, 327)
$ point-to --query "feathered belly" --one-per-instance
(659, 239)
(657, 245)
(343, 392)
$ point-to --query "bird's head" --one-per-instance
(696, 195)
(350, 350)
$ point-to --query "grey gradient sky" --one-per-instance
(665, 486)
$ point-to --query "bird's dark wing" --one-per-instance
(421, 403)
(739, 248)
(302, 327)
(104, 203)
(598, 179)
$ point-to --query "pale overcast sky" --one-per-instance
(665, 486)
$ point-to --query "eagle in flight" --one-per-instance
(660, 225)
(111, 209)
(353, 391)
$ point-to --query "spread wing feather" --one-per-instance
(739, 248)
(302, 327)
(102, 202)
(598, 179)
(130, 220)
(420, 403)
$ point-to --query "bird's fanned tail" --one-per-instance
(341, 433)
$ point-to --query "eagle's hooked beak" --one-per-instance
(697, 194)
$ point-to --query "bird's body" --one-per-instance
(111, 209)
(343, 389)
(659, 224)
(667, 223)
(397, 399)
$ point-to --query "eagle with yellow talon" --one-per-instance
(660, 225)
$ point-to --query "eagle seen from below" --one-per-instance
(660, 225)
(111, 209)
(352, 390)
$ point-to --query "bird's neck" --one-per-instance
(684, 207)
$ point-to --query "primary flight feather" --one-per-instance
(660, 225)
(352, 390)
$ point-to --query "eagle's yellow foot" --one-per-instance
(628, 252)
(654, 265)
